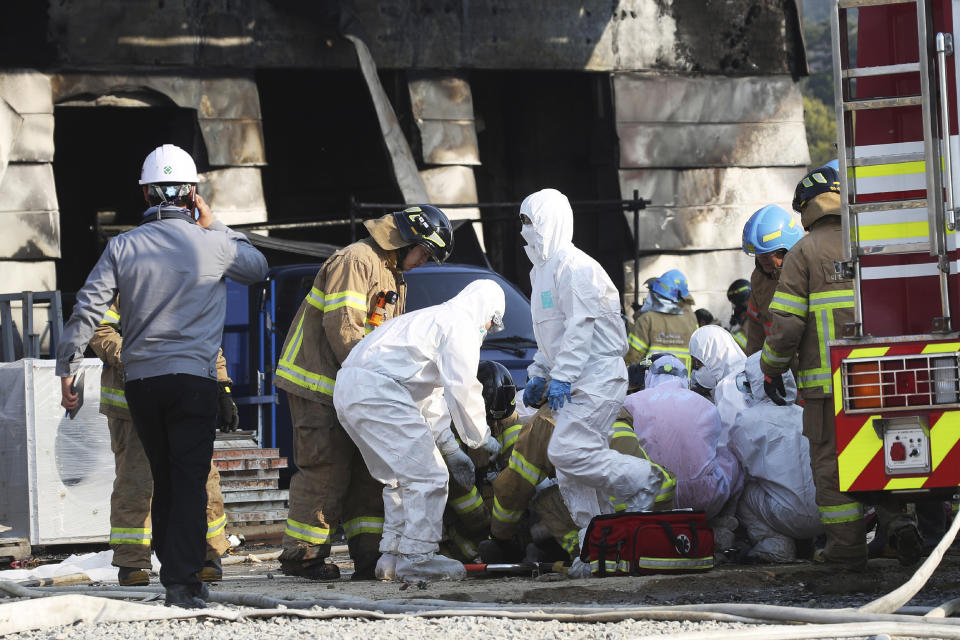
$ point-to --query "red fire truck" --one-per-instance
(895, 369)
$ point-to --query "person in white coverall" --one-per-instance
(680, 429)
(395, 396)
(778, 503)
(720, 359)
(581, 342)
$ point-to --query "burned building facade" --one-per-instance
(295, 110)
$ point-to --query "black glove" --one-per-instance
(228, 419)
(773, 386)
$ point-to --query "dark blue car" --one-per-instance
(258, 320)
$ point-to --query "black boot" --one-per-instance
(182, 595)
(364, 566)
(497, 551)
(315, 569)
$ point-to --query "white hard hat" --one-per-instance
(170, 164)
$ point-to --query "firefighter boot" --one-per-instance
(181, 595)
(908, 543)
(132, 577)
(364, 566)
(212, 571)
(313, 569)
(497, 551)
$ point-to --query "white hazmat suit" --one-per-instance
(581, 341)
(778, 501)
(722, 360)
(680, 429)
(396, 394)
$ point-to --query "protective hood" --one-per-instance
(754, 381)
(656, 302)
(666, 369)
(385, 233)
(825, 204)
(552, 224)
(480, 302)
(719, 353)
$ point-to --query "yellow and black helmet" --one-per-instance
(822, 180)
(427, 226)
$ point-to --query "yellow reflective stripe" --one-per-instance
(894, 231)
(637, 343)
(668, 487)
(789, 303)
(837, 299)
(838, 396)
(503, 514)
(530, 472)
(894, 169)
(775, 358)
(363, 524)
(293, 347)
(467, 503)
(217, 526)
(113, 397)
(857, 454)
(570, 541)
(941, 347)
(740, 339)
(466, 546)
(306, 379)
(509, 436)
(904, 483)
(307, 533)
(352, 299)
(705, 562)
(110, 317)
(316, 298)
(129, 535)
(944, 435)
(623, 430)
(772, 236)
(841, 513)
(869, 352)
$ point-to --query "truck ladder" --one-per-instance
(932, 85)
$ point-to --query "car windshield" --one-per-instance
(428, 288)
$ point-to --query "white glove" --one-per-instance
(461, 468)
(492, 447)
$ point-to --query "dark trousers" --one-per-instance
(175, 416)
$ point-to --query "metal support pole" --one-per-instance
(6, 333)
(353, 219)
(636, 251)
(31, 344)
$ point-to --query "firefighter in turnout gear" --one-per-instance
(467, 516)
(812, 302)
(767, 236)
(665, 322)
(332, 484)
(738, 294)
(130, 526)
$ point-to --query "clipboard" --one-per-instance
(77, 388)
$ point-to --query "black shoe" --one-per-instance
(202, 592)
(181, 595)
(316, 569)
(909, 545)
(212, 571)
(363, 567)
(494, 551)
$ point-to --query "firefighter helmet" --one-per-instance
(671, 285)
(739, 293)
(822, 180)
(770, 229)
(499, 391)
(427, 226)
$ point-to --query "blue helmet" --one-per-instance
(671, 285)
(769, 229)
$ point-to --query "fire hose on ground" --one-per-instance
(70, 603)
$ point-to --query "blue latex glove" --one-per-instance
(533, 392)
(556, 391)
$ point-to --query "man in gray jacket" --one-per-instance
(169, 272)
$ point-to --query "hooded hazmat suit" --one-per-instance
(778, 503)
(722, 360)
(681, 430)
(581, 341)
(399, 389)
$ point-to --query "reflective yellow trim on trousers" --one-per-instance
(307, 533)
(841, 513)
(503, 514)
(216, 527)
(529, 472)
(129, 535)
(361, 525)
(467, 503)
(570, 541)
(465, 546)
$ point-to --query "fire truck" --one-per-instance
(895, 368)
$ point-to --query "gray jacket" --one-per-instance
(169, 274)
